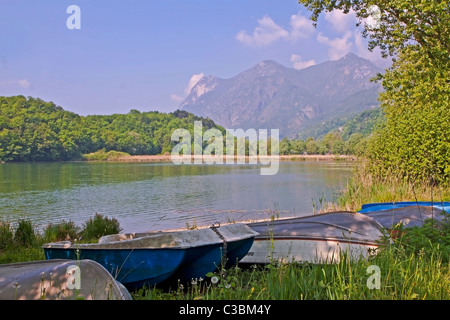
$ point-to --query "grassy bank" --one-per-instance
(414, 266)
(23, 242)
(365, 187)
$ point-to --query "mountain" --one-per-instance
(271, 96)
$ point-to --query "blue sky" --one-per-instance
(146, 54)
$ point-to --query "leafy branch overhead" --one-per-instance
(414, 139)
(400, 23)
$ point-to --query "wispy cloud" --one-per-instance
(298, 63)
(176, 98)
(24, 83)
(193, 81)
(338, 47)
(267, 31)
(195, 78)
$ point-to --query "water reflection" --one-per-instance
(153, 196)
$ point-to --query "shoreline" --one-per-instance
(294, 157)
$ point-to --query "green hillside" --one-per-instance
(35, 130)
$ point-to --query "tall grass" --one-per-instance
(402, 275)
(24, 242)
(365, 187)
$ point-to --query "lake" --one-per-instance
(158, 196)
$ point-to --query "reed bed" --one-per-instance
(366, 187)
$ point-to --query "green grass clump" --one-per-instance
(24, 235)
(65, 230)
(6, 235)
(24, 243)
(99, 226)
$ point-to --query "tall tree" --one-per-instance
(415, 139)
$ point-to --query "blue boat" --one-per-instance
(147, 259)
(371, 207)
(407, 213)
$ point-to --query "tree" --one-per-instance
(414, 140)
(400, 23)
(311, 146)
(285, 146)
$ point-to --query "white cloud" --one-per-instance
(265, 33)
(24, 83)
(175, 97)
(340, 21)
(193, 81)
(338, 47)
(301, 27)
(298, 63)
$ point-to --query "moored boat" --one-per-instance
(59, 280)
(321, 238)
(408, 214)
(147, 259)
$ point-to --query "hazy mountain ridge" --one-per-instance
(272, 96)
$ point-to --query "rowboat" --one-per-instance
(408, 214)
(321, 238)
(147, 259)
(59, 280)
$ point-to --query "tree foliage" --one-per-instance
(414, 140)
(34, 130)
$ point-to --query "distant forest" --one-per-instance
(35, 130)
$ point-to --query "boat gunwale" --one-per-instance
(125, 243)
(299, 238)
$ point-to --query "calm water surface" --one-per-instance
(157, 196)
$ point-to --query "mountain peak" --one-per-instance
(266, 64)
(350, 55)
(270, 95)
(353, 57)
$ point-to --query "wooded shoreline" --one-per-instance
(293, 157)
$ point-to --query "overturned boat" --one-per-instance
(321, 238)
(407, 214)
(59, 280)
(146, 259)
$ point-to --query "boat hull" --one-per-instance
(148, 259)
(407, 214)
(314, 251)
(59, 280)
(371, 207)
(134, 268)
(323, 238)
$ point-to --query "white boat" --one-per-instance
(321, 238)
(59, 280)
